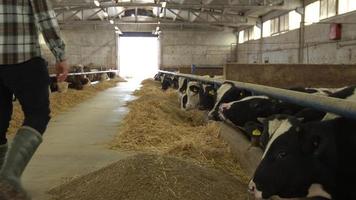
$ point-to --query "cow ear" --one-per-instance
(261, 119)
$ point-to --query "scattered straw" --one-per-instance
(144, 177)
(61, 102)
(156, 124)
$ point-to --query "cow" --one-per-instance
(193, 98)
(182, 87)
(183, 101)
(313, 159)
(226, 93)
(306, 114)
(348, 93)
(175, 83)
(251, 108)
(157, 77)
(166, 82)
(207, 97)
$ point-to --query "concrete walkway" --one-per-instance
(76, 141)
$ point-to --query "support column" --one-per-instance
(301, 35)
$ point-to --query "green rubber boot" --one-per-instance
(3, 150)
(19, 155)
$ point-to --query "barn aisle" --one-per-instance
(75, 141)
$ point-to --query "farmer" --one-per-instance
(24, 73)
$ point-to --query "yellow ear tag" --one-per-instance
(256, 132)
(212, 92)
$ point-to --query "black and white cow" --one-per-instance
(348, 93)
(175, 84)
(183, 101)
(226, 93)
(314, 159)
(166, 82)
(253, 107)
(157, 77)
(317, 91)
(182, 87)
(306, 114)
(193, 95)
(207, 97)
(332, 135)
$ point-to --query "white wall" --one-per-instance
(318, 48)
(196, 47)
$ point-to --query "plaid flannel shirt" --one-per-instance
(20, 24)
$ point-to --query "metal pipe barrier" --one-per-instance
(85, 73)
(342, 107)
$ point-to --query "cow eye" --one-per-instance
(281, 154)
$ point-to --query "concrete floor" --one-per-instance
(76, 141)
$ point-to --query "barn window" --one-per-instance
(241, 37)
(246, 34)
(275, 26)
(327, 8)
(266, 28)
(346, 6)
(256, 33)
(294, 20)
(312, 13)
(284, 23)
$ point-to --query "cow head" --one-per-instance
(247, 109)
(166, 83)
(207, 97)
(193, 90)
(226, 93)
(292, 163)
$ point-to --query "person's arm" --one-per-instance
(47, 24)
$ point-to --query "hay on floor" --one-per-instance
(156, 124)
(152, 177)
(61, 102)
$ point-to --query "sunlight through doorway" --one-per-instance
(139, 57)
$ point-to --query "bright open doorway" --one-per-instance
(139, 57)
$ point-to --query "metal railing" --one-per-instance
(342, 107)
(85, 73)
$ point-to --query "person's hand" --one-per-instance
(62, 71)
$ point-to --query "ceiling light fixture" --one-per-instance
(117, 28)
(97, 3)
(111, 21)
(164, 4)
(106, 14)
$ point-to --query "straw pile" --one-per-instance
(152, 177)
(61, 102)
(156, 124)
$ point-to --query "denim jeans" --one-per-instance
(29, 83)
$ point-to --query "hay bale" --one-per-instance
(144, 177)
(156, 124)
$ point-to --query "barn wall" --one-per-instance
(87, 46)
(318, 48)
(289, 75)
(196, 47)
